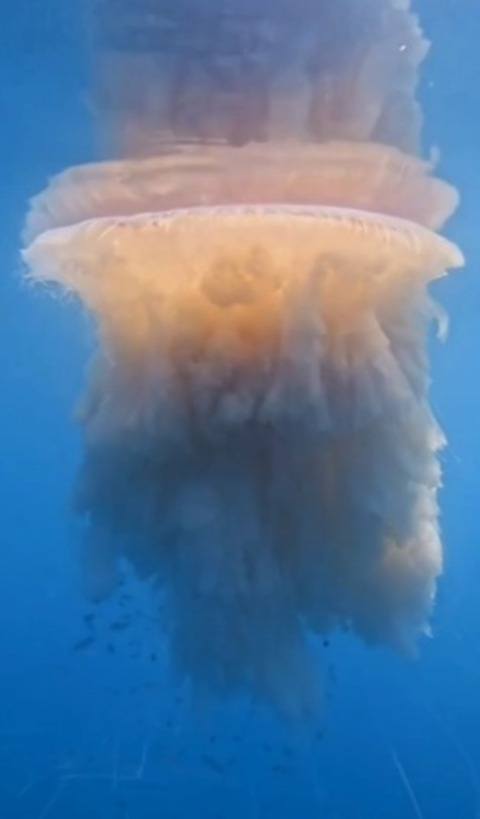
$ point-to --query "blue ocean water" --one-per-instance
(92, 729)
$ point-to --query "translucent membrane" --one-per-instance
(366, 176)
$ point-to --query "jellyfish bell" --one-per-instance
(258, 441)
(365, 176)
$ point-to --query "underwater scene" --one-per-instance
(239, 409)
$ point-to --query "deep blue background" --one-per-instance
(99, 735)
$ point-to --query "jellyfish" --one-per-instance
(257, 251)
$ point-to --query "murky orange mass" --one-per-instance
(256, 245)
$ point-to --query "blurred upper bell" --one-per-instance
(240, 71)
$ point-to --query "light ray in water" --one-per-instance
(406, 784)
